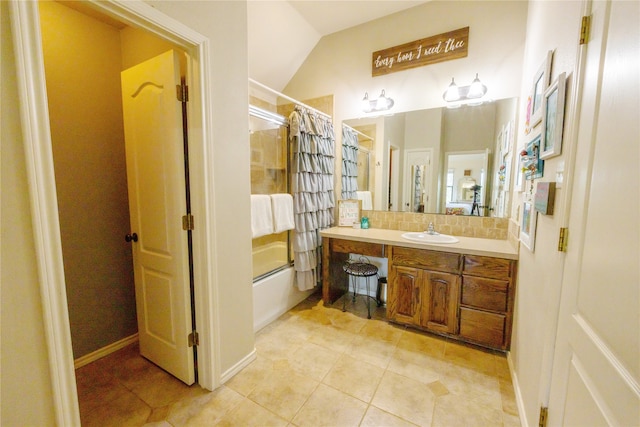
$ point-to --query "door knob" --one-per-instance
(131, 237)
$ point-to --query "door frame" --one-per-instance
(25, 22)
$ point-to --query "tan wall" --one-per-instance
(82, 66)
(26, 388)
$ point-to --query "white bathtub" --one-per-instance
(276, 294)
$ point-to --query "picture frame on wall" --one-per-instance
(553, 118)
(349, 212)
(540, 85)
(528, 225)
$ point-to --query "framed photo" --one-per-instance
(540, 84)
(553, 118)
(348, 212)
(533, 167)
(528, 225)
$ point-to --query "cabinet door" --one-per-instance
(403, 304)
(441, 293)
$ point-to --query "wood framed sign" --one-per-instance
(348, 212)
(430, 50)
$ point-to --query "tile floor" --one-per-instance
(315, 366)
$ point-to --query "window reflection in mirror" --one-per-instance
(487, 128)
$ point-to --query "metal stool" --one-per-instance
(361, 268)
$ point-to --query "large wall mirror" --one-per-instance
(455, 161)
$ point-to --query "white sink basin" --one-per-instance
(430, 238)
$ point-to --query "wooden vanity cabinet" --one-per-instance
(467, 297)
(486, 303)
(424, 288)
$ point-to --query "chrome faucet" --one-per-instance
(431, 230)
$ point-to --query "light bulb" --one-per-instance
(381, 103)
(477, 89)
(452, 93)
(366, 105)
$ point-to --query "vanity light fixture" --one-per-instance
(383, 103)
(459, 95)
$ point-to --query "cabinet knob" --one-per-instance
(131, 238)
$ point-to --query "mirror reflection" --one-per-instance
(441, 160)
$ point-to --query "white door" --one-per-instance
(415, 181)
(156, 181)
(596, 368)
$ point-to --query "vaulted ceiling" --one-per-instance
(283, 32)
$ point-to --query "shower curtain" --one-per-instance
(349, 163)
(312, 144)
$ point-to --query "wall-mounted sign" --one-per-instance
(443, 47)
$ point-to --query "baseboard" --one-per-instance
(104, 351)
(243, 363)
(516, 387)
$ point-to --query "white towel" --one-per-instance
(261, 216)
(282, 205)
(365, 196)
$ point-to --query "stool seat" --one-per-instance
(359, 269)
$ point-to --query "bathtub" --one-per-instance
(277, 293)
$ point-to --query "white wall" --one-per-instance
(550, 25)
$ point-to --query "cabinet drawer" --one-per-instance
(489, 294)
(360, 248)
(482, 327)
(495, 268)
(429, 260)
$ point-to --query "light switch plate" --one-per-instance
(560, 175)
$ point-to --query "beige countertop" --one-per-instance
(466, 245)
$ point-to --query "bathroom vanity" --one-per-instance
(463, 290)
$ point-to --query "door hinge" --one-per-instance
(544, 412)
(194, 339)
(563, 239)
(188, 222)
(585, 29)
(182, 92)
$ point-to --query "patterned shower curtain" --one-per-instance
(312, 144)
(349, 163)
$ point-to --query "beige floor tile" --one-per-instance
(378, 418)
(423, 373)
(162, 389)
(284, 392)
(382, 330)
(509, 420)
(406, 398)
(205, 409)
(410, 378)
(347, 321)
(248, 379)
(507, 393)
(502, 367)
(313, 360)
(250, 414)
(330, 407)
(275, 344)
(333, 338)
(125, 409)
(470, 357)
(472, 385)
(354, 377)
(422, 344)
(372, 350)
(450, 410)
